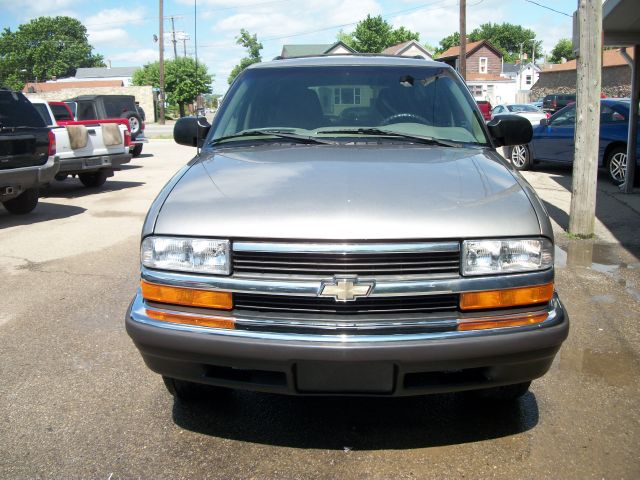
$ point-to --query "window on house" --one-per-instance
(483, 64)
(346, 96)
(476, 90)
(527, 80)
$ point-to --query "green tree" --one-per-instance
(374, 34)
(563, 49)
(510, 39)
(43, 48)
(253, 46)
(182, 82)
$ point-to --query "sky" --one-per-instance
(123, 30)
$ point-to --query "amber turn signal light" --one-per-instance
(197, 320)
(186, 296)
(512, 297)
(498, 322)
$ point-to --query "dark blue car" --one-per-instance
(553, 140)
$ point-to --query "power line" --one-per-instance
(548, 8)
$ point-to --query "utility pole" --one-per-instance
(173, 35)
(161, 67)
(184, 45)
(462, 59)
(588, 86)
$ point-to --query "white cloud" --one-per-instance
(110, 27)
(135, 57)
(27, 9)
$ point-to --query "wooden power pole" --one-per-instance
(462, 59)
(588, 86)
(161, 67)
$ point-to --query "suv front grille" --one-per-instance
(363, 259)
(368, 305)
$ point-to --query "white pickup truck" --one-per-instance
(90, 150)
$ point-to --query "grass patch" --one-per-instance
(577, 236)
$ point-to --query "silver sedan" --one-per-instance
(529, 112)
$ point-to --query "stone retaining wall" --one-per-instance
(616, 82)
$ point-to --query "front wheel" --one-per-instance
(617, 165)
(23, 203)
(520, 157)
(93, 179)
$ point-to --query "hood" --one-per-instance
(348, 192)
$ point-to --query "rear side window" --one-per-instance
(17, 111)
(44, 113)
(115, 106)
(60, 113)
(86, 111)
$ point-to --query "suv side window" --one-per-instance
(609, 115)
(565, 118)
(86, 111)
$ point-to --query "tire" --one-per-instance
(520, 157)
(93, 179)
(23, 203)
(616, 164)
(135, 122)
(189, 391)
(137, 150)
(505, 393)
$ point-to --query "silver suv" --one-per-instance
(348, 229)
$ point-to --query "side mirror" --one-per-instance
(191, 131)
(544, 122)
(509, 130)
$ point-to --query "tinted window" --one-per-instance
(115, 106)
(86, 111)
(609, 115)
(427, 101)
(16, 111)
(564, 117)
(44, 113)
(60, 113)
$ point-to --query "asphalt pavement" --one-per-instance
(77, 401)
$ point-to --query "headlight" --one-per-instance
(197, 255)
(487, 257)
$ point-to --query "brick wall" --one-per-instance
(494, 64)
(616, 82)
(144, 95)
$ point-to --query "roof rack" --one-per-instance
(320, 55)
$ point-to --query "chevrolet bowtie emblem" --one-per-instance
(345, 289)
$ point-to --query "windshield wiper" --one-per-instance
(274, 133)
(392, 133)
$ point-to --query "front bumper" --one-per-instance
(99, 162)
(409, 364)
(21, 179)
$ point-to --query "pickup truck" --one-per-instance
(102, 107)
(309, 251)
(90, 149)
(27, 153)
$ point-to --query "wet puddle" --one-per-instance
(614, 368)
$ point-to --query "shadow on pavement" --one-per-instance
(43, 212)
(129, 166)
(142, 155)
(72, 188)
(356, 423)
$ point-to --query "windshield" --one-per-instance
(418, 101)
(523, 108)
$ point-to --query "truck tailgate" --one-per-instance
(22, 150)
(95, 143)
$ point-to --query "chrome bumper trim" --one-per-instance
(332, 248)
(382, 288)
(138, 314)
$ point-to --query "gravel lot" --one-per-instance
(78, 402)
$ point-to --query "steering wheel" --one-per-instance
(404, 116)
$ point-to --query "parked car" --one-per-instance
(553, 140)
(305, 253)
(27, 153)
(556, 101)
(90, 149)
(99, 107)
(485, 109)
(537, 104)
(529, 112)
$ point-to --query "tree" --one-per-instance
(250, 42)
(183, 83)
(511, 40)
(374, 34)
(563, 49)
(43, 48)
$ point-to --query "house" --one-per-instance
(524, 74)
(408, 49)
(125, 74)
(561, 77)
(303, 50)
(484, 72)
